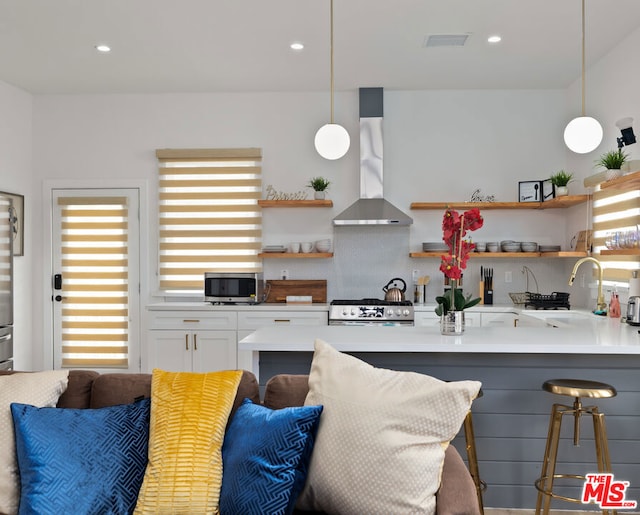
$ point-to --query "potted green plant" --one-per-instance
(561, 180)
(612, 161)
(319, 185)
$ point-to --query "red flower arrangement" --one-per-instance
(454, 229)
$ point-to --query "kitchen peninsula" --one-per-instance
(511, 418)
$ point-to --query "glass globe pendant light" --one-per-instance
(332, 140)
(584, 133)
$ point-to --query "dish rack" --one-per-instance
(521, 298)
(554, 301)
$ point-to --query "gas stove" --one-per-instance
(371, 312)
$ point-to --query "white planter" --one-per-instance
(562, 191)
(613, 174)
(318, 195)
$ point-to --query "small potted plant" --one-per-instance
(319, 185)
(612, 161)
(560, 180)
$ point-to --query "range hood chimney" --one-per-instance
(371, 208)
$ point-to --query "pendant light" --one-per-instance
(583, 134)
(332, 140)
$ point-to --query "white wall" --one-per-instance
(439, 146)
(15, 177)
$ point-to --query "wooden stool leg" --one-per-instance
(545, 483)
(472, 458)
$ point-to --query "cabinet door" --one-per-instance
(498, 319)
(170, 350)
(214, 350)
(429, 318)
(251, 320)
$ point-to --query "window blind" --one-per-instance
(616, 213)
(209, 218)
(95, 314)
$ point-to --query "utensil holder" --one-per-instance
(488, 295)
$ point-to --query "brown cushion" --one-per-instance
(286, 390)
(457, 489)
(78, 392)
(119, 388)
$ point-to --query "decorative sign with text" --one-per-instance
(273, 194)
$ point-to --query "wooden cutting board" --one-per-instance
(317, 288)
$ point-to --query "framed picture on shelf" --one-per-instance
(548, 190)
(17, 221)
(530, 191)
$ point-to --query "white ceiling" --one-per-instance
(47, 46)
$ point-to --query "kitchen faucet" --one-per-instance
(601, 307)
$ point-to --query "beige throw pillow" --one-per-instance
(382, 435)
(40, 389)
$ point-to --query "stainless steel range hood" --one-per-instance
(371, 208)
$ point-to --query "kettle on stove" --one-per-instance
(633, 311)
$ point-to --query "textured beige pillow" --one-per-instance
(382, 435)
(40, 389)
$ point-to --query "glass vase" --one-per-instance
(452, 323)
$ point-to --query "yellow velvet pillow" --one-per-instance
(189, 412)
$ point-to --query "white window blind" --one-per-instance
(616, 213)
(95, 263)
(209, 218)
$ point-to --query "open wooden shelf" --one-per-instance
(620, 252)
(629, 181)
(295, 203)
(556, 203)
(504, 255)
(298, 255)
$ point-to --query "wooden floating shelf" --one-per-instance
(295, 203)
(628, 181)
(620, 252)
(556, 203)
(505, 255)
(298, 255)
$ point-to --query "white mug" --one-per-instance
(306, 246)
(294, 248)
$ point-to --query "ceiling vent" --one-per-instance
(440, 40)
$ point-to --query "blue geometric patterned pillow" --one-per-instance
(81, 460)
(265, 456)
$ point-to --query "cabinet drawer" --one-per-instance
(193, 320)
(254, 320)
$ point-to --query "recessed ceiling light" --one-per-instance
(494, 39)
(103, 48)
(296, 46)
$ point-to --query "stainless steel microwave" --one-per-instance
(230, 288)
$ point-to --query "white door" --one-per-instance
(95, 280)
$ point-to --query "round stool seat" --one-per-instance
(579, 388)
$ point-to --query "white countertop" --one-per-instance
(207, 306)
(588, 335)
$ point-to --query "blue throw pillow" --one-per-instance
(265, 456)
(83, 461)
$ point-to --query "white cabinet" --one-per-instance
(429, 318)
(499, 319)
(192, 341)
(249, 321)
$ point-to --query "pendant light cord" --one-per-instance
(583, 60)
(331, 87)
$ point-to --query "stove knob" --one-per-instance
(398, 312)
(345, 312)
(406, 312)
(353, 312)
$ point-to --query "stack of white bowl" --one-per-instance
(323, 245)
(529, 246)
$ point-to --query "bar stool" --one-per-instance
(472, 457)
(576, 388)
